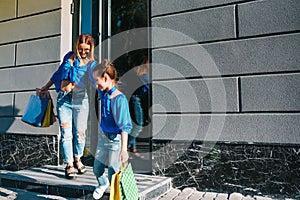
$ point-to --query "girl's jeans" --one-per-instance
(107, 154)
(72, 111)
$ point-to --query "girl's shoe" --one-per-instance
(70, 172)
(79, 166)
(99, 191)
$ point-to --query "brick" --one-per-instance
(235, 196)
(185, 194)
(26, 78)
(37, 51)
(8, 9)
(262, 55)
(211, 95)
(160, 7)
(209, 196)
(221, 196)
(250, 128)
(21, 101)
(27, 7)
(268, 16)
(30, 27)
(16, 126)
(179, 62)
(197, 195)
(207, 25)
(271, 93)
(6, 104)
(248, 198)
(261, 198)
(7, 55)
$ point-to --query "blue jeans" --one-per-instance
(72, 111)
(137, 115)
(107, 154)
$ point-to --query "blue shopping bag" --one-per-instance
(35, 110)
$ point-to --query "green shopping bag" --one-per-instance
(123, 185)
(129, 190)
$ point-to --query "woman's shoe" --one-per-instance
(70, 172)
(79, 166)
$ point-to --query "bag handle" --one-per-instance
(45, 94)
(124, 166)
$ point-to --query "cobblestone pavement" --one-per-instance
(192, 194)
(173, 194)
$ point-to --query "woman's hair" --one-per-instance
(87, 39)
(143, 68)
(106, 67)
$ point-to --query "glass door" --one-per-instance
(125, 41)
(112, 23)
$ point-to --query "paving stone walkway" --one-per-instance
(192, 194)
(173, 194)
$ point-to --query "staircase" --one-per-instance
(50, 180)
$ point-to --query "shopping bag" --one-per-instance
(35, 110)
(47, 116)
(123, 185)
(39, 111)
(129, 190)
(52, 115)
(115, 190)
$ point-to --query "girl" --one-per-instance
(115, 126)
(72, 102)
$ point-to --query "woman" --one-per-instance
(72, 101)
(139, 104)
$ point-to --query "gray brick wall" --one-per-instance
(255, 47)
(30, 43)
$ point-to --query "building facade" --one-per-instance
(248, 139)
(225, 88)
(34, 36)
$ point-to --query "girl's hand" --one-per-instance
(124, 156)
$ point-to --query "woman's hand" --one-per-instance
(44, 88)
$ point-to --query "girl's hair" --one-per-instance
(87, 39)
(106, 67)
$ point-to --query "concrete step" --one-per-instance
(50, 180)
(20, 194)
